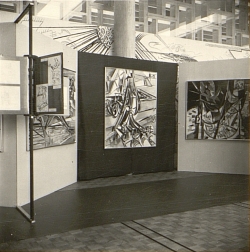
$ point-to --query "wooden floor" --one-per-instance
(107, 202)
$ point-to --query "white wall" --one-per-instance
(8, 16)
(56, 167)
(8, 157)
(8, 163)
(208, 155)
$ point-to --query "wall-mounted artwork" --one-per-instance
(218, 109)
(130, 108)
(49, 84)
(56, 130)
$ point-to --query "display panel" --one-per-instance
(217, 109)
(10, 72)
(13, 85)
(56, 130)
(130, 108)
(49, 84)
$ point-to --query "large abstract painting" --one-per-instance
(130, 108)
(218, 109)
(56, 130)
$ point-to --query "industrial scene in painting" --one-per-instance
(55, 130)
(218, 109)
(130, 108)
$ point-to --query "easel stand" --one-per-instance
(30, 216)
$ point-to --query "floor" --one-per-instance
(178, 211)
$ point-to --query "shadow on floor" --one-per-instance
(73, 209)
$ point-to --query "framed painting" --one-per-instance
(218, 109)
(55, 130)
(130, 108)
(49, 84)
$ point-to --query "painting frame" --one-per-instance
(217, 109)
(43, 123)
(48, 84)
(130, 111)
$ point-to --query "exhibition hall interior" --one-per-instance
(124, 125)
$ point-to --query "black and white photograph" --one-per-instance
(124, 125)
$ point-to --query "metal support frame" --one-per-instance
(31, 215)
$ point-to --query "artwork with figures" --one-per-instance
(55, 130)
(49, 84)
(130, 108)
(218, 109)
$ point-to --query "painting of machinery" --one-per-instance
(130, 108)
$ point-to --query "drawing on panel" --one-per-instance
(130, 108)
(54, 72)
(42, 98)
(218, 109)
(55, 130)
(49, 84)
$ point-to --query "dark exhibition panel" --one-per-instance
(95, 159)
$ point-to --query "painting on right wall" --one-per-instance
(217, 109)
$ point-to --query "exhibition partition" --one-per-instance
(55, 149)
(219, 117)
(122, 114)
(126, 116)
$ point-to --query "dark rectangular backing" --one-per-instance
(93, 160)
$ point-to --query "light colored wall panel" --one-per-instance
(8, 163)
(210, 155)
(8, 16)
(7, 39)
(8, 156)
(56, 167)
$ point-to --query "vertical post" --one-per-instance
(124, 28)
(29, 10)
(31, 116)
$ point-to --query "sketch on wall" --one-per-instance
(130, 108)
(217, 109)
(55, 130)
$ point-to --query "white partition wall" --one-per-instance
(218, 156)
(54, 167)
(8, 156)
